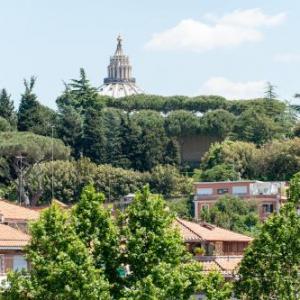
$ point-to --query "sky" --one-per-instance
(192, 47)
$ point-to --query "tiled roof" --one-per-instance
(13, 211)
(198, 232)
(10, 237)
(225, 264)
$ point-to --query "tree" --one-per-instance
(168, 181)
(7, 110)
(230, 159)
(70, 129)
(152, 140)
(94, 136)
(4, 125)
(32, 116)
(252, 126)
(78, 93)
(92, 255)
(270, 91)
(95, 226)
(216, 288)
(155, 252)
(25, 150)
(222, 172)
(270, 267)
(278, 160)
(28, 114)
(234, 214)
(61, 266)
(218, 123)
(69, 178)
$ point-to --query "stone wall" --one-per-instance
(193, 147)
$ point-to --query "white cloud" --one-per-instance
(252, 18)
(233, 90)
(287, 57)
(232, 29)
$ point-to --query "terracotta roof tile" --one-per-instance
(13, 211)
(207, 232)
(11, 237)
(227, 265)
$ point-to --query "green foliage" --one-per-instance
(61, 267)
(181, 207)
(294, 189)
(270, 268)
(152, 140)
(95, 226)
(78, 94)
(34, 148)
(78, 256)
(157, 258)
(216, 288)
(253, 126)
(7, 110)
(32, 116)
(278, 160)
(270, 91)
(234, 214)
(4, 125)
(222, 172)
(233, 158)
(218, 123)
(166, 104)
(168, 181)
(182, 123)
(71, 176)
(70, 129)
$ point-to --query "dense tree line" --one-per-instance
(71, 176)
(230, 160)
(143, 132)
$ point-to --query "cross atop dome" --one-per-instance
(119, 50)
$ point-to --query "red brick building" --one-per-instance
(268, 195)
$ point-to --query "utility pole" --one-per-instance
(52, 167)
(20, 175)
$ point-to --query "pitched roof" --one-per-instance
(192, 231)
(16, 212)
(11, 237)
(227, 265)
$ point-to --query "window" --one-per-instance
(19, 263)
(204, 207)
(239, 190)
(222, 191)
(204, 191)
(268, 207)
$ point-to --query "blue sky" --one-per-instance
(176, 47)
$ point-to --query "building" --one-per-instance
(222, 249)
(16, 216)
(119, 82)
(268, 195)
(12, 243)
(14, 221)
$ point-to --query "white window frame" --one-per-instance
(205, 191)
(243, 190)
